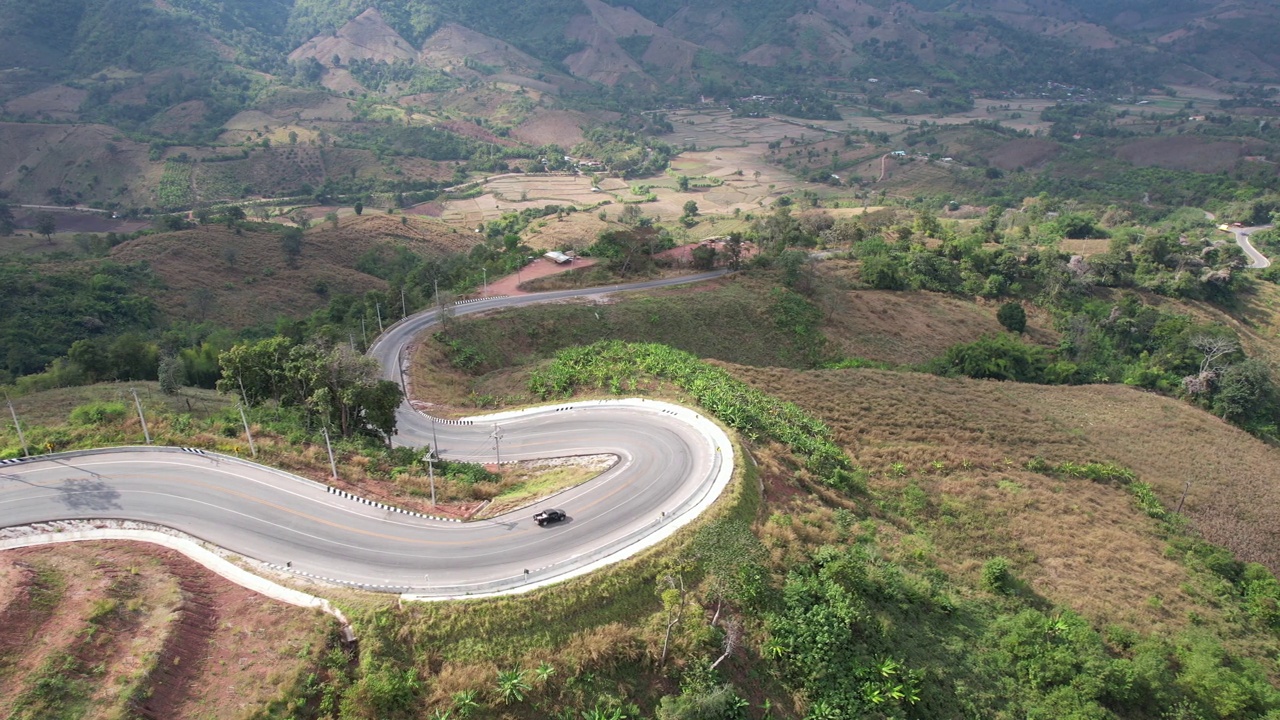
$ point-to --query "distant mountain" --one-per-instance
(722, 46)
(148, 75)
(667, 46)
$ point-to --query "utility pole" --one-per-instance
(1185, 489)
(497, 446)
(484, 279)
(18, 426)
(435, 285)
(252, 448)
(431, 473)
(377, 307)
(364, 332)
(404, 308)
(333, 467)
(145, 432)
(435, 442)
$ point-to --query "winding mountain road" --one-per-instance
(1256, 259)
(673, 463)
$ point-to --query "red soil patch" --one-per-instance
(186, 648)
(683, 256)
(20, 617)
(542, 267)
(263, 650)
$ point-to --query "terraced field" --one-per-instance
(109, 630)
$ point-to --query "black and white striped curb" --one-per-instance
(443, 421)
(382, 506)
(197, 451)
(479, 299)
(335, 581)
(13, 461)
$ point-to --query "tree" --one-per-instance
(690, 208)
(358, 207)
(300, 218)
(1245, 392)
(1012, 317)
(235, 215)
(379, 402)
(291, 244)
(6, 221)
(682, 182)
(733, 248)
(170, 375)
(630, 214)
(46, 225)
(673, 603)
(332, 219)
(704, 257)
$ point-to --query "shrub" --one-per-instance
(999, 357)
(1012, 317)
(997, 576)
(98, 413)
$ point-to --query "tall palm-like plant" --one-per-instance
(512, 686)
(464, 703)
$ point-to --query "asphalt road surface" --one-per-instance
(1256, 259)
(672, 464)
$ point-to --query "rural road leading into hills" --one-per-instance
(673, 464)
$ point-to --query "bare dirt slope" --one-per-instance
(90, 159)
(450, 47)
(366, 37)
(112, 629)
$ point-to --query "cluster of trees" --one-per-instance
(631, 251)
(847, 631)
(44, 311)
(1163, 262)
(1103, 340)
(1130, 342)
(811, 106)
(335, 386)
(626, 153)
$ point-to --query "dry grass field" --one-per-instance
(211, 273)
(982, 432)
(109, 630)
(52, 407)
(905, 328)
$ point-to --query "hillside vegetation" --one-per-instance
(983, 517)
